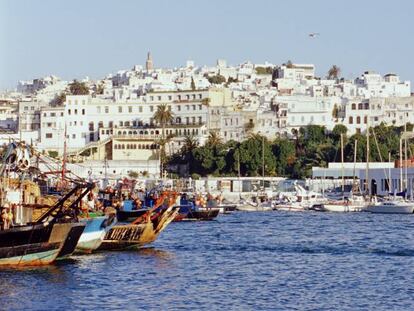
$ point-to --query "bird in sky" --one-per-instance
(314, 34)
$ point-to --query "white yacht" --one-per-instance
(353, 204)
(392, 206)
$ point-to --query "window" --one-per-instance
(111, 124)
(120, 109)
(351, 120)
(98, 109)
(179, 108)
(76, 111)
(52, 114)
(151, 108)
(365, 119)
(91, 126)
(49, 135)
(100, 124)
(130, 109)
(169, 97)
(151, 98)
(69, 111)
(194, 107)
(358, 120)
(73, 136)
(91, 136)
(200, 107)
(353, 106)
(106, 109)
(159, 97)
(83, 111)
(360, 106)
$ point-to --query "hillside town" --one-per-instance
(109, 120)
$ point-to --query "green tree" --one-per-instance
(217, 79)
(59, 99)
(78, 88)
(285, 154)
(214, 139)
(251, 153)
(334, 72)
(264, 70)
(163, 116)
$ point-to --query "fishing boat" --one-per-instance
(190, 212)
(27, 239)
(197, 208)
(94, 233)
(144, 229)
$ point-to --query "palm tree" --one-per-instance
(163, 116)
(214, 139)
(334, 72)
(190, 143)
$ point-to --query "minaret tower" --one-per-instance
(149, 65)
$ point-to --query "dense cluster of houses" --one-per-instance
(116, 118)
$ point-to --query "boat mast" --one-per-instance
(389, 174)
(368, 186)
(64, 156)
(342, 164)
(405, 160)
(263, 167)
(238, 172)
(355, 159)
(401, 170)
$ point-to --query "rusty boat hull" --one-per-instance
(133, 236)
(32, 245)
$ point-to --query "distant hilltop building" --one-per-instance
(149, 64)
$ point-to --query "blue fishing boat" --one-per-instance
(94, 233)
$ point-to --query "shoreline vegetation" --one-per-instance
(291, 157)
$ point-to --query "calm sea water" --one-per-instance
(243, 261)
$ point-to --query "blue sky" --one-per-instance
(74, 39)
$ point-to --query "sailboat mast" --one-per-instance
(401, 170)
(355, 159)
(367, 164)
(342, 163)
(405, 160)
(263, 168)
(64, 156)
(389, 174)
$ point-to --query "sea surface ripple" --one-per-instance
(243, 261)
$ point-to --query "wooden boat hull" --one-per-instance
(75, 231)
(132, 236)
(207, 214)
(94, 233)
(129, 216)
(30, 245)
